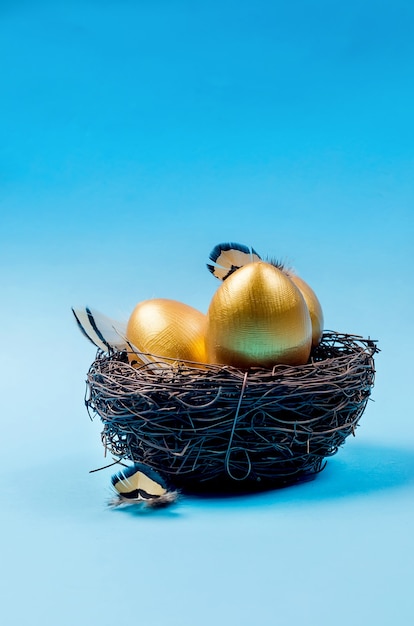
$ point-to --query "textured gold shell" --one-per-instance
(258, 317)
(314, 306)
(169, 329)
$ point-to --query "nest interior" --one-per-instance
(223, 428)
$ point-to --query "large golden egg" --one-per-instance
(314, 306)
(258, 317)
(167, 328)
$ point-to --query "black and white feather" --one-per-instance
(104, 332)
(229, 257)
(140, 484)
(108, 334)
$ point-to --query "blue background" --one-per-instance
(134, 136)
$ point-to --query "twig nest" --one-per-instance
(171, 330)
(222, 427)
(258, 317)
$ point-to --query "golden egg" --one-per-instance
(314, 306)
(169, 329)
(258, 317)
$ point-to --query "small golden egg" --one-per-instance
(314, 306)
(258, 317)
(169, 329)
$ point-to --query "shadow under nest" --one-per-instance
(221, 429)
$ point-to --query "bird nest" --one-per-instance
(222, 427)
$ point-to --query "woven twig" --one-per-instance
(224, 425)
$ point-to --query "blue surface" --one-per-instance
(134, 136)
